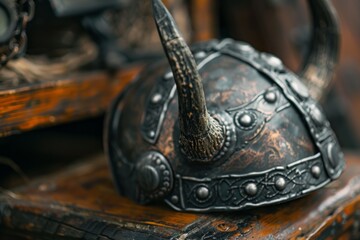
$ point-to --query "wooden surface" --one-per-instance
(54, 102)
(81, 203)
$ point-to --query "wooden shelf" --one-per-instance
(81, 203)
(48, 103)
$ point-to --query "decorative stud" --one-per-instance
(148, 178)
(316, 171)
(270, 97)
(200, 55)
(175, 199)
(154, 175)
(151, 134)
(244, 47)
(202, 193)
(251, 189)
(245, 120)
(272, 61)
(280, 184)
(169, 75)
(299, 89)
(156, 98)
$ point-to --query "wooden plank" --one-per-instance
(48, 103)
(81, 203)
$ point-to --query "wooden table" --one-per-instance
(81, 203)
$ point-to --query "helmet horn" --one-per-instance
(201, 136)
(324, 51)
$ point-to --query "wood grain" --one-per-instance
(81, 203)
(54, 102)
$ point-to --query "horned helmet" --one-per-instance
(221, 126)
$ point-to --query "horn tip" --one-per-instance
(159, 9)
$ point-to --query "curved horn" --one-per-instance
(201, 136)
(324, 51)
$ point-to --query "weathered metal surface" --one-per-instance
(241, 131)
(81, 203)
(290, 31)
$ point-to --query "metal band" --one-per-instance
(233, 192)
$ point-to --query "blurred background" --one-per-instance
(80, 56)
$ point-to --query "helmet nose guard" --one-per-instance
(226, 127)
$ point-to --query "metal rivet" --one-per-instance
(280, 184)
(166, 184)
(245, 120)
(162, 167)
(316, 171)
(317, 116)
(151, 134)
(166, 173)
(272, 60)
(148, 178)
(299, 89)
(200, 55)
(158, 161)
(270, 97)
(244, 47)
(174, 199)
(202, 193)
(251, 189)
(156, 98)
(169, 75)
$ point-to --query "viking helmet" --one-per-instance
(221, 126)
